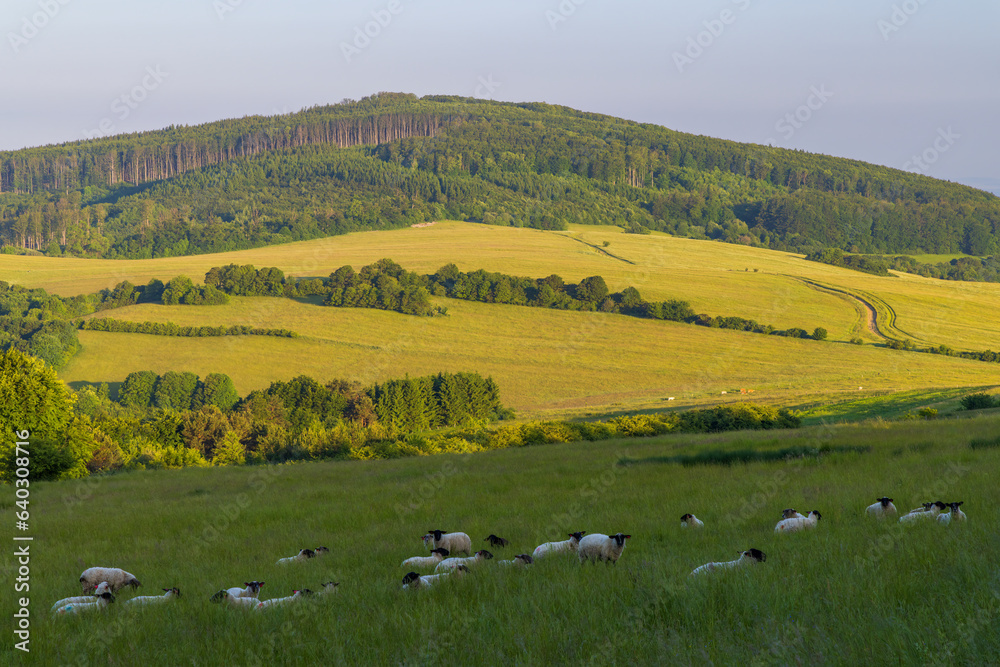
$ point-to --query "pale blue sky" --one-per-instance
(924, 82)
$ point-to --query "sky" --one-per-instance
(911, 84)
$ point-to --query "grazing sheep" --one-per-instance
(690, 520)
(168, 594)
(749, 557)
(252, 590)
(955, 514)
(304, 554)
(791, 514)
(452, 563)
(597, 547)
(557, 547)
(521, 559)
(881, 508)
(436, 557)
(328, 588)
(414, 580)
(794, 525)
(280, 602)
(497, 542)
(927, 512)
(100, 589)
(116, 578)
(453, 542)
(99, 602)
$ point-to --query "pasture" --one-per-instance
(553, 364)
(853, 591)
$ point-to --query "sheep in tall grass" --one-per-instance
(99, 602)
(99, 590)
(497, 542)
(251, 590)
(748, 557)
(168, 594)
(881, 508)
(522, 560)
(452, 563)
(928, 512)
(597, 547)
(691, 521)
(428, 541)
(453, 542)
(280, 602)
(562, 546)
(791, 513)
(116, 578)
(414, 580)
(794, 525)
(228, 598)
(954, 514)
(437, 555)
(304, 554)
(329, 588)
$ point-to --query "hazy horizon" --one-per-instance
(908, 84)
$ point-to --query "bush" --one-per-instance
(819, 333)
(857, 340)
(980, 401)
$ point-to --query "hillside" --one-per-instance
(546, 362)
(392, 160)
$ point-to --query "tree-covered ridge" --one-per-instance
(392, 159)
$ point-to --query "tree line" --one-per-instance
(170, 329)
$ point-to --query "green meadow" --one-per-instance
(853, 591)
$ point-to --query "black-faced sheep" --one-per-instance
(562, 546)
(116, 578)
(750, 556)
(597, 547)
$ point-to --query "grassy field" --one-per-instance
(555, 363)
(854, 591)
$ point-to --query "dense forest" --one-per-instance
(392, 160)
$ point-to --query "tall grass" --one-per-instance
(854, 591)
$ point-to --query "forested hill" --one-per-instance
(392, 160)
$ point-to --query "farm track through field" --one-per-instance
(600, 250)
(871, 304)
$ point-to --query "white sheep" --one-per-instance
(116, 578)
(452, 563)
(453, 542)
(749, 557)
(168, 594)
(928, 512)
(794, 525)
(881, 508)
(790, 513)
(280, 602)
(251, 590)
(597, 547)
(522, 560)
(437, 555)
(428, 541)
(954, 515)
(234, 600)
(99, 602)
(414, 580)
(559, 547)
(304, 554)
(690, 520)
(100, 589)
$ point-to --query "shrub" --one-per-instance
(819, 333)
(927, 413)
(857, 340)
(980, 401)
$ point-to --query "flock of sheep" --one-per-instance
(101, 583)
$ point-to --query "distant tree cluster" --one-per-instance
(171, 329)
(836, 257)
(177, 391)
